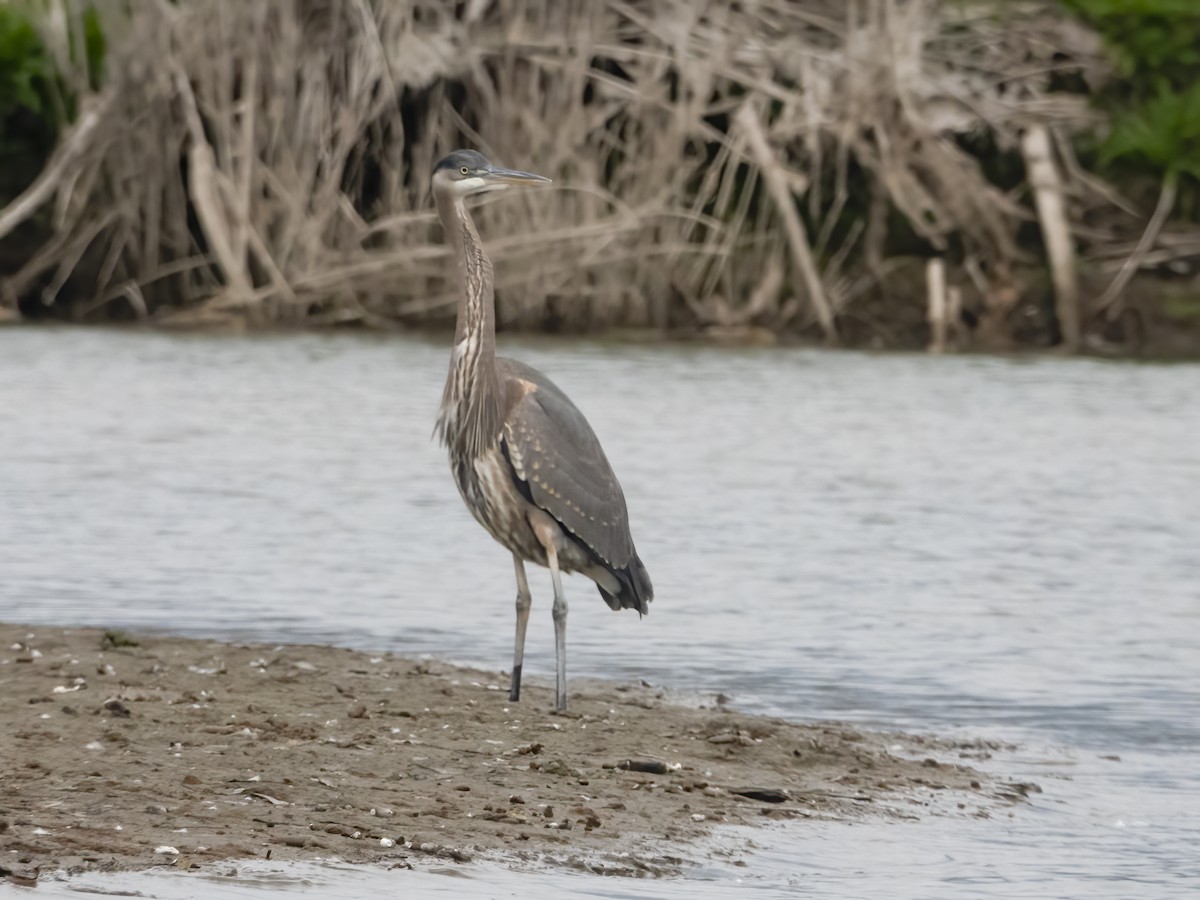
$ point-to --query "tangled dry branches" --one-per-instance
(269, 158)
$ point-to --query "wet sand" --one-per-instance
(126, 751)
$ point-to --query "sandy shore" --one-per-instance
(130, 751)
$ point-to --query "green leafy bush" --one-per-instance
(28, 126)
(1155, 100)
(1153, 40)
(35, 100)
(1163, 133)
(24, 67)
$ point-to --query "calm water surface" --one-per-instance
(968, 546)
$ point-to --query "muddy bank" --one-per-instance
(129, 751)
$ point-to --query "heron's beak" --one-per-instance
(505, 177)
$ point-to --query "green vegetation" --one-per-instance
(28, 126)
(1182, 307)
(1155, 99)
(36, 99)
(1154, 41)
(25, 69)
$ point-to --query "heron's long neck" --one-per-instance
(471, 416)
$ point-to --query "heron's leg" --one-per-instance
(524, 601)
(549, 534)
(560, 631)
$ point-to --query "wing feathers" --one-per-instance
(553, 449)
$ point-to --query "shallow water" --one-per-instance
(969, 546)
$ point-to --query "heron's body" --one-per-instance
(524, 458)
(498, 486)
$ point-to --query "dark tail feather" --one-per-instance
(636, 590)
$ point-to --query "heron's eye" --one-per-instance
(465, 170)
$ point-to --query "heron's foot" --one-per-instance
(514, 692)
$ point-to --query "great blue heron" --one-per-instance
(525, 460)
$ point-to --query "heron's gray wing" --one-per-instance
(553, 449)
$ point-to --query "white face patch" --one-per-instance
(469, 186)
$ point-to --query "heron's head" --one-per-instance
(465, 172)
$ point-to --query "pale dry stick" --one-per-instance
(77, 189)
(836, 263)
(1065, 150)
(214, 76)
(125, 288)
(148, 250)
(777, 186)
(73, 252)
(935, 279)
(840, 196)
(254, 240)
(1056, 230)
(117, 243)
(243, 168)
(77, 144)
(349, 115)
(622, 254)
(632, 221)
(300, 157)
(446, 300)
(134, 295)
(1166, 202)
(587, 259)
(45, 257)
(765, 295)
(849, 287)
(205, 194)
(400, 223)
(331, 276)
(725, 234)
(285, 181)
(932, 181)
(1169, 247)
(64, 196)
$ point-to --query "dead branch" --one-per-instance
(1166, 202)
(1056, 230)
(935, 277)
(785, 205)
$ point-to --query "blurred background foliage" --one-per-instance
(36, 101)
(28, 124)
(1154, 100)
